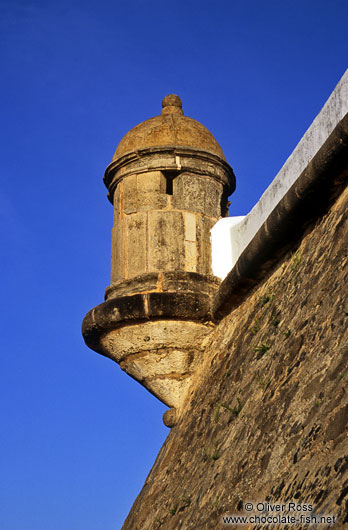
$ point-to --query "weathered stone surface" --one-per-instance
(151, 182)
(170, 128)
(136, 249)
(213, 195)
(117, 252)
(151, 191)
(180, 281)
(130, 194)
(118, 203)
(152, 336)
(161, 355)
(151, 201)
(266, 417)
(204, 225)
(166, 248)
(190, 256)
(170, 158)
(189, 192)
(171, 390)
(138, 284)
(128, 310)
(110, 315)
(190, 227)
(170, 418)
(169, 281)
(198, 193)
(118, 238)
(194, 306)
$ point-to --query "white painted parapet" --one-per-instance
(231, 235)
(225, 243)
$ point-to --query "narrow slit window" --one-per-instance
(169, 185)
(170, 176)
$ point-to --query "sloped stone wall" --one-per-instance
(267, 416)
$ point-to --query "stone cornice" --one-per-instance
(169, 158)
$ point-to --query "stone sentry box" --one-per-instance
(169, 183)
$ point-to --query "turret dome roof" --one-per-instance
(170, 128)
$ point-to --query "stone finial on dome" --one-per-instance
(172, 104)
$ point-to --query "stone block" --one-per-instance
(213, 194)
(137, 284)
(204, 260)
(190, 226)
(170, 391)
(194, 306)
(136, 248)
(189, 192)
(118, 199)
(130, 194)
(181, 281)
(165, 246)
(117, 252)
(151, 182)
(158, 354)
(151, 201)
(191, 256)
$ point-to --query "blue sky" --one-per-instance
(79, 436)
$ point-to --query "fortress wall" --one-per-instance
(267, 415)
